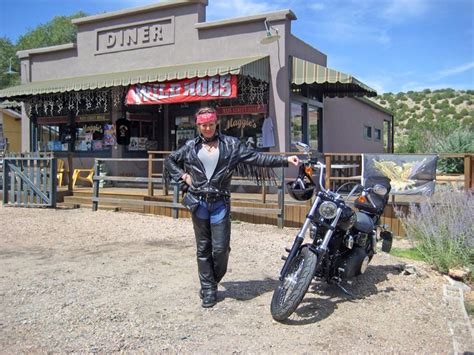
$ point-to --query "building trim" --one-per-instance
(374, 105)
(11, 113)
(269, 16)
(61, 47)
(136, 11)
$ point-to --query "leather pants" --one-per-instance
(212, 244)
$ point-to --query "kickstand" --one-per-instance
(350, 294)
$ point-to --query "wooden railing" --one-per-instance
(340, 168)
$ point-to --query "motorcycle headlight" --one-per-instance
(327, 209)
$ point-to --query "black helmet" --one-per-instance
(300, 189)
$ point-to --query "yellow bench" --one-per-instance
(61, 172)
(82, 175)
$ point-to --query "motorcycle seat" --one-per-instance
(364, 223)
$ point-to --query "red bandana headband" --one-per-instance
(206, 117)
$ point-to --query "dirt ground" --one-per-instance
(83, 281)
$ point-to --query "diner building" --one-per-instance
(133, 80)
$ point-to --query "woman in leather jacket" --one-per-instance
(206, 164)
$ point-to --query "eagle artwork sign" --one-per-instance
(409, 174)
(196, 89)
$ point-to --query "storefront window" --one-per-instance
(185, 130)
(296, 122)
(142, 131)
(89, 133)
(248, 128)
(313, 126)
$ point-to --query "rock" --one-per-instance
(461, 285)
(408, 269)
(459, 274)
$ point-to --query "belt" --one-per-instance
(212, 197)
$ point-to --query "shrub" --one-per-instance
(458, 141)
(441, 229)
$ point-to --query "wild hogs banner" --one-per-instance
(196, 89)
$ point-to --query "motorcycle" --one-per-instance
(343, 239)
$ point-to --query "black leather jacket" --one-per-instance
(231, 152)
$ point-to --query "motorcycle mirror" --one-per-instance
(302, 147)
(379, 190)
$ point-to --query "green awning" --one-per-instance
(256, 67)
(328, 81)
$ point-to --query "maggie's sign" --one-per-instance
(196, 89)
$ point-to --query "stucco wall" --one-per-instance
(11, 130)
(343, 126)
(300, 49)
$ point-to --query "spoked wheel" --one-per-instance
(292, 288)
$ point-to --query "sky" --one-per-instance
(390, 45)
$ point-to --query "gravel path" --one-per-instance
(82, 281)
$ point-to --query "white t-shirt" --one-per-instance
(209, 160)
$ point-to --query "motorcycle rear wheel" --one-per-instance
(291, 290)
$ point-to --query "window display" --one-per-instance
(296, 123)
(142, 129)
(185, 130)
(88, 133)
(245, 123)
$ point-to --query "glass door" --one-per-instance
(314, 127)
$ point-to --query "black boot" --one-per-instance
(202, 231)
(209, 298)
(220, 247)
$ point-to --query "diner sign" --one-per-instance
(196, 89)
(240, 123)
(241, 110)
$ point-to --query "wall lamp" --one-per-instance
(270, 37)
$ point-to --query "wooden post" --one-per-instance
(70, 169)
(175, 211)
(163, 177)
(150, 173)
(468, 172)
(281, 200)
(5, 181)
(53, 181)
(264, 191)
(95, 189)
(327, 183)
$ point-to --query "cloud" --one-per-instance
(220, 9)
(317, 6)
(398, 10)
(416, 86)
(455, 70)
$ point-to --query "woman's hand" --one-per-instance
(187, 179)
(293, 159)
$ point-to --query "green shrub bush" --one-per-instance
(441, 229)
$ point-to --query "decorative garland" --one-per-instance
(79, 102)
(251, 92)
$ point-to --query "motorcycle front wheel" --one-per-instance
(295, 283)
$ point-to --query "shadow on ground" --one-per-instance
(322, 299)
(247, 290)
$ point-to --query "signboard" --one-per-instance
(408, 174)
(52, 120)
(78, 119)
(196, 89)
(135, 36)
(241, 110)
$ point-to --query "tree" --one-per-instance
(7, 51)
(59, 30)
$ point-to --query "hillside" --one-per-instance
(427, 115)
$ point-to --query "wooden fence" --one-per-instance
(29, 180)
